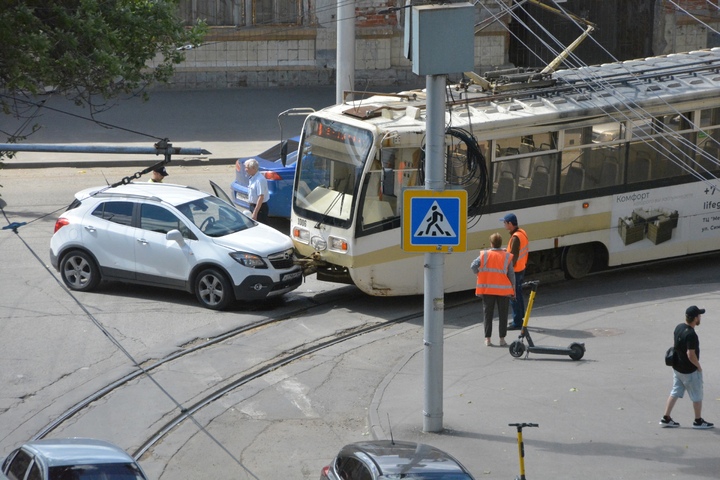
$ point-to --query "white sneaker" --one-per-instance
(668, 423)
(702, 424)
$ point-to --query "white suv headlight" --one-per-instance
(249, 260)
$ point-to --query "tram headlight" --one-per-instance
(337, 244)
(301, 235)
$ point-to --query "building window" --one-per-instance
(225, 13)
(276, 12)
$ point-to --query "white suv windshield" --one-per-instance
(214, 217)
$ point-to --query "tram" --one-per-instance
(603, 165)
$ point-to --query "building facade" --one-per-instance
(276, 43)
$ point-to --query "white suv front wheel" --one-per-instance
(79, 271)
(213, 290)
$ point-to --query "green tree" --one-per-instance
(87, 50)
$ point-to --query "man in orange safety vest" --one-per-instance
(495, 284)
(519, 246)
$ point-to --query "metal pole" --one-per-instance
(345, 53)
(434, 262)
(159, 149)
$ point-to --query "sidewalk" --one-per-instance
(598, 417)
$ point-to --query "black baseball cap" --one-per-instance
(161, 171)
(694, 311)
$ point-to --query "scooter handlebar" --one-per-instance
(522, 425)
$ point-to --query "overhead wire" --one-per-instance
(13, 226)
(640, 113)
(466, 136)
(664, 129)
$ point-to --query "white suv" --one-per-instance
(171, 236)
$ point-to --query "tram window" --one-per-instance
(508, 147)
(394, 169)
(521, 164)
(708, 152)
(541, 181)
(607, 132)
(602, 133)
(594, 167)
(314, 172)
(710, 117)
(462, 171)
(574, 137)
(604, 166)
(675, 122)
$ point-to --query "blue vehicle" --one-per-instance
(279, 177)
(278, 166)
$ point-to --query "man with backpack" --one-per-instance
(687, 372)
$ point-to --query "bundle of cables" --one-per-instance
(465, 167)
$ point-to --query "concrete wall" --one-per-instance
(233, 57)
(677, 31)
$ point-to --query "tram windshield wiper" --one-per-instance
(325, 215)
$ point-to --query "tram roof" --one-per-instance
(600, 90)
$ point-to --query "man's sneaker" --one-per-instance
(702, 424)
(668, 422)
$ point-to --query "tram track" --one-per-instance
(164, 422)
(185, 350)
(274, 364)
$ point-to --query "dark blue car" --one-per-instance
(279, 178)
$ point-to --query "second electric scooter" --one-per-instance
(521, 446)
(517, 348)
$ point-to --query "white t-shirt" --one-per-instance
(257, 185)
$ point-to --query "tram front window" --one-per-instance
(330, 166)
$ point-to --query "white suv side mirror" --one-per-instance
(175, 236)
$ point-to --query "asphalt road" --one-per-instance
(598, 416)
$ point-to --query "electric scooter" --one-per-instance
(521, 446)
(517, 348)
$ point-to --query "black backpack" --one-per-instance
(671, 356)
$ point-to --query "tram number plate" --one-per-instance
(291, 276)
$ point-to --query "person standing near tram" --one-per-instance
(519, 246)
(257, 191)
(496, 285)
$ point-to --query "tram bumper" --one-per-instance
(327, 272)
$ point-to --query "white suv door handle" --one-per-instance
(142, 240)
(90, 228)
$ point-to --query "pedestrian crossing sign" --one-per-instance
(433, 221)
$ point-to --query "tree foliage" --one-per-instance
(88, 48)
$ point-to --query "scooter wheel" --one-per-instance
(517, 348)
(577, 351)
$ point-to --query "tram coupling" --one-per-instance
(310, 264)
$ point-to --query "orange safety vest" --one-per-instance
(523, 253)
(492, 278)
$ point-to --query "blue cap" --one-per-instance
(510, 217)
